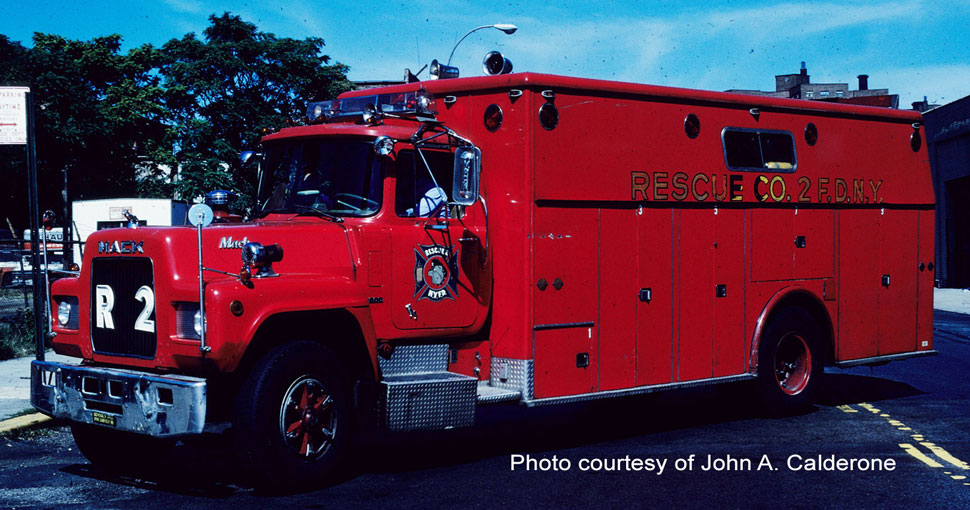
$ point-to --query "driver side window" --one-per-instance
(416, 194)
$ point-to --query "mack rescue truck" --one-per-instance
(432, 247)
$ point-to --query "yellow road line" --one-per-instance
(846, 408)
(945, 455)
(910, 449)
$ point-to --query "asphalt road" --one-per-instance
(911, 418)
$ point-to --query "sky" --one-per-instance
(914, 48)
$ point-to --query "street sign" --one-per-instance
(13, 115)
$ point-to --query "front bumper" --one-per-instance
(155, 405)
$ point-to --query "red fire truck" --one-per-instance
(432, 247)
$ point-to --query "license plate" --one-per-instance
(104, 419)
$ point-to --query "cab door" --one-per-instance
(437, 252)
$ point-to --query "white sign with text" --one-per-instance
(13, 115)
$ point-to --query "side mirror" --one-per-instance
(468, 169)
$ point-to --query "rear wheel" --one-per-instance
(293, 419)
(789, 361)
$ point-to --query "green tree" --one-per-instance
(225, 90)
(98, 111)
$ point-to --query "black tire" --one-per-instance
(121, 452)
(293, 420)
(790, 364)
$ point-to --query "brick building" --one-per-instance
(800, 86)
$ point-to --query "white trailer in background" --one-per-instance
(92, 215)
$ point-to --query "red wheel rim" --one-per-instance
(793, 364)
(308, 420)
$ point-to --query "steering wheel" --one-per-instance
(371, 204)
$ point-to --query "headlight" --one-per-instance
(197, 322)
(63, 313)
(188, 320)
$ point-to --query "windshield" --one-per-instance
(339, 177)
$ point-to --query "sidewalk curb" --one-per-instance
(23, 422)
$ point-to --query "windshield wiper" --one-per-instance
(306, 209)
(302, 210)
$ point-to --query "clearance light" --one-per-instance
(424, 101)
(370, 115)
(384, 145)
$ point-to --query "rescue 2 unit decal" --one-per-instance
(678, 186)
(435, 272)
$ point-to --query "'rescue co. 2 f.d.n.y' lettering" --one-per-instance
(724, 187)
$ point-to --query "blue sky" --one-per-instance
(912, 47)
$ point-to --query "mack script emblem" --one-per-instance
(228, 243)
(125, 247)
(435, 272)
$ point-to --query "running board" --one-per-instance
(492, 395)
(878, 360)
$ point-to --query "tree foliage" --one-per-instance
(225, 90)
(158, 121)
(97, 111)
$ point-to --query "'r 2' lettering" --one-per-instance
(104, 302)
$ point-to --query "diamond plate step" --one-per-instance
(490, 394)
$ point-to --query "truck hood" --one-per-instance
(313, 247)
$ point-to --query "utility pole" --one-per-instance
(67, 228)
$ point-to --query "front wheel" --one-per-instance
(789, 361)
(293, 419)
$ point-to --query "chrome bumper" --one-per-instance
(156, 405)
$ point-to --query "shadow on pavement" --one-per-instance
(839, 389)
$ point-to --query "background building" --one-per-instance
(948, 137)
(800, 86)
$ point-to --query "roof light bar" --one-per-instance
(401, 103)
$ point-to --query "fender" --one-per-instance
(230, 335)
(784, 295)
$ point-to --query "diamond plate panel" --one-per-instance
(513, 374)
(415, 359)
(433, 401)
